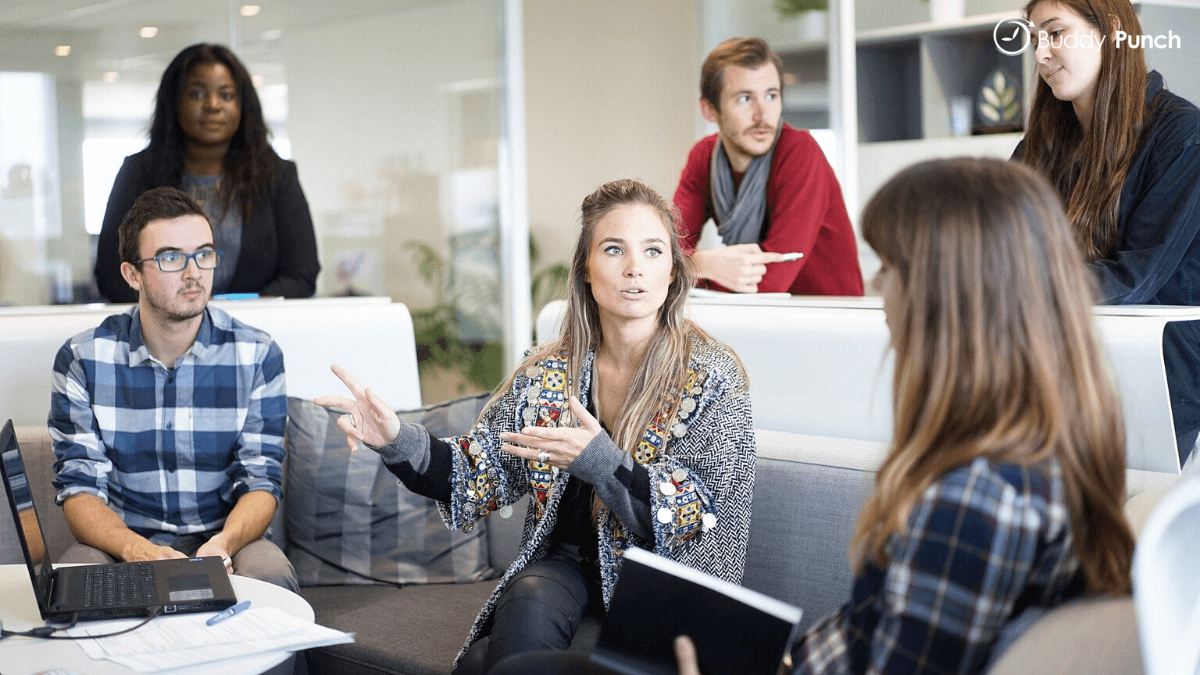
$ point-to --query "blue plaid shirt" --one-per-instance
(986, 542)
(170, 450)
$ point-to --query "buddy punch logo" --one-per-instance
(1012, 36)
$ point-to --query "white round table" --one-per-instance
(27, 656)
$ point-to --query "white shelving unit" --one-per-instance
(921, 67)
(913, 57)
(910, 65)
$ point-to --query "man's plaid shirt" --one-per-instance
(985, 542)
(170, 450)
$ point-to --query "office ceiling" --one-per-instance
(104, 34)
(104, 14)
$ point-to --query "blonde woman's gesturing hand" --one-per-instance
(367, 419)
(557, 446)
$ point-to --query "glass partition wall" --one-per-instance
(395, 112)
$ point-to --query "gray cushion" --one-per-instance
(349, 521)
(416, 630)
(803, 519)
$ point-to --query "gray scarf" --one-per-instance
(740, 210)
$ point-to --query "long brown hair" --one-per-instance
(664, 365)
(995, 354)
(1089, 168)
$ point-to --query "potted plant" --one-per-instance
(792, 8)
(811, 17)
(441, 346)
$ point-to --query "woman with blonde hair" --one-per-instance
(633, 428)
(1123, 153)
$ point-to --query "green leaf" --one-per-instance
(1010, 113)
(535, 252)
(430, 266)
(790, 8)
(461, 302)
(989, 112)
(1007, 96)
(998, 81)
(990, 96)
(486, 367)
(549, 283)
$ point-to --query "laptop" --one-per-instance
(93, 592)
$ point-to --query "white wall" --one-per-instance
(611, 92)
(1177, 65)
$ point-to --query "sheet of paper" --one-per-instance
(181, 641)
(707, 293)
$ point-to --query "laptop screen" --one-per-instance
(20, 500)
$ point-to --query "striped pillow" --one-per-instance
(350, 521)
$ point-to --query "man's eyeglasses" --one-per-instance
(177, 261)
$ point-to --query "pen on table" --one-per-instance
(236, 609)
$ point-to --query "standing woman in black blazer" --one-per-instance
(208, 138)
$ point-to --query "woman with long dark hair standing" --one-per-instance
(208, 138)
(1124, 156)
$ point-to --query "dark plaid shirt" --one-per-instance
(170, 450)
(985, 542)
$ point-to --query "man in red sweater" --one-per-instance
(766, 185)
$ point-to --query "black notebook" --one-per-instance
(736, 630)
(92, 592)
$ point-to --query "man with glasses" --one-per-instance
(167, 420)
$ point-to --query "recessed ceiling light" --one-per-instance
(111, 76)
(62, 50)
(251, 10)
(273, 34)
(148, 31)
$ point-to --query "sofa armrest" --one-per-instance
(1086, 636)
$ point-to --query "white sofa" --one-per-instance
(820, 379)
(369, 336)
(821, 367)
(809, 484)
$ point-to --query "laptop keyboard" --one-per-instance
(119, 584)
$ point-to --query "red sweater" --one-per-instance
(805, 213)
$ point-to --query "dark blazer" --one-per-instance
(1157, 257)
(279, 248)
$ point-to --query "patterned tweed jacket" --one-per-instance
(701, 466)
